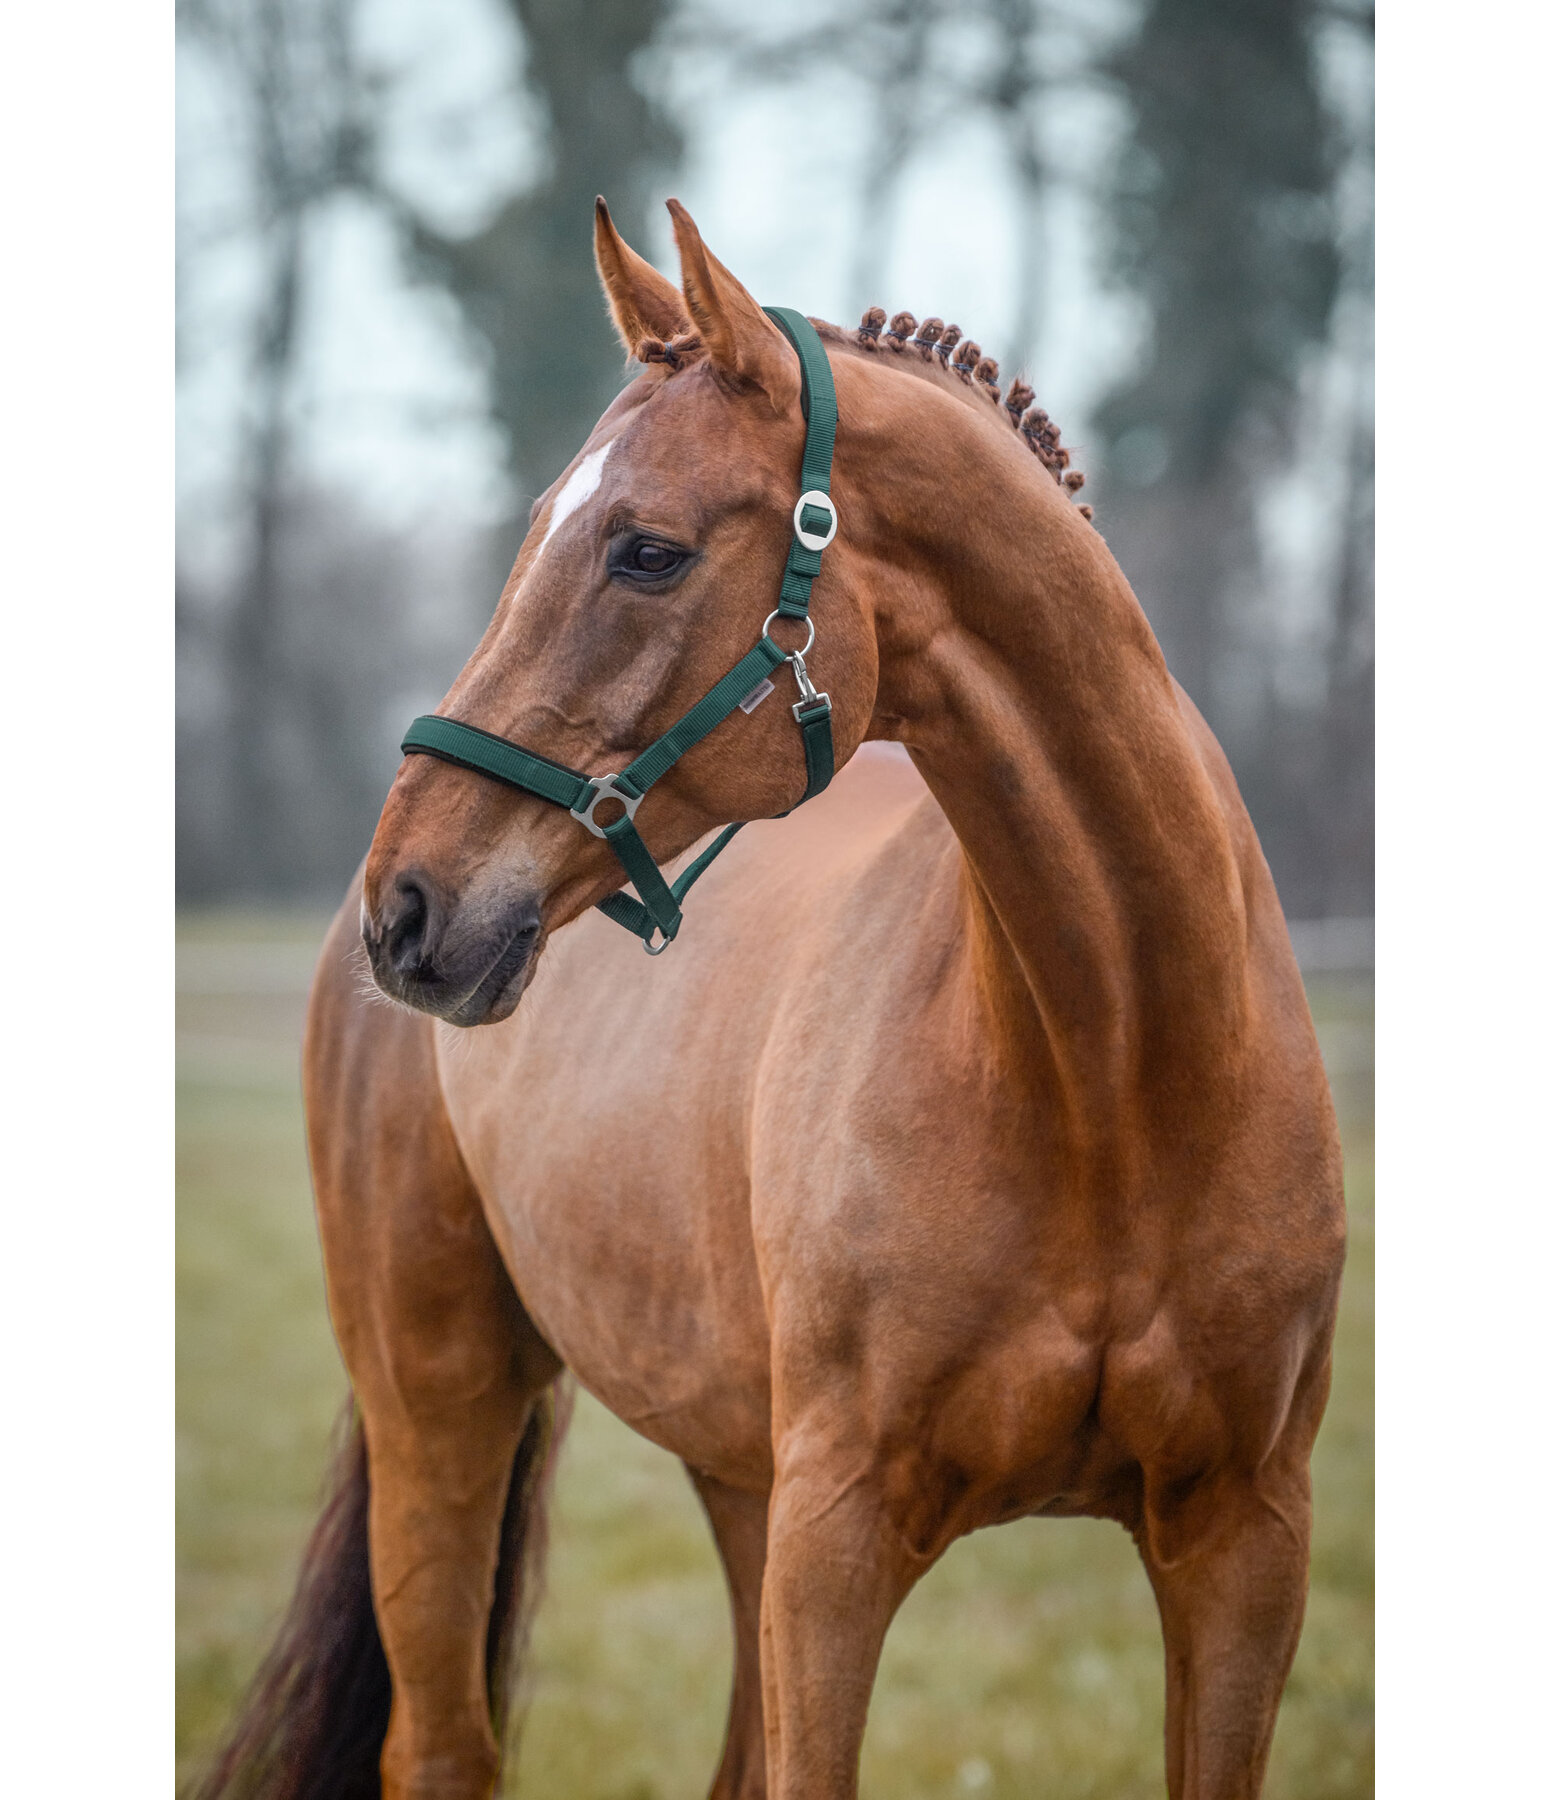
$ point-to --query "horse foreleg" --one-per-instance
(739, 1521)
(837, 1571)
(446, 1370)
(1229, 1568)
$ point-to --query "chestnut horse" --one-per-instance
(970, 1155)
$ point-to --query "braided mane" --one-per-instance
(934, 345)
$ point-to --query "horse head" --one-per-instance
(645, 573)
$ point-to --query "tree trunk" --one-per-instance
(253, 674)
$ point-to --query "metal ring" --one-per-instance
(605, 787)
(789, 653)
(810, 539)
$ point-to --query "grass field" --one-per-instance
(1028, 1662)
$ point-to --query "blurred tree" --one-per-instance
(1221, 221)
(292, 68)
(908, 58)
(1309, 775)
(1347, 820)
(525, 284)
(354, 650)
(1012, 91)
(1238, 214)
(1231, 216)
(890, 48)
(291, 666)
(908, 54)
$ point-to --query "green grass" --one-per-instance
(1029, 1660)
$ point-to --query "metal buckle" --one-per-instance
(807, 620)
(605, 787)
(810, 540)
(810, 699)
(657, 950)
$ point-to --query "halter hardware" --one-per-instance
(814, 540)
(657, 912)
(792, 654)
(604, 787)
(808, 696)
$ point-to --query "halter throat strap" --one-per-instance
(657, 912)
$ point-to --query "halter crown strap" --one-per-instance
(822, 414)
(815, 521)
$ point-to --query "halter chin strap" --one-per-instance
(658, 911)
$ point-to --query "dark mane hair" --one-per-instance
(925, 346)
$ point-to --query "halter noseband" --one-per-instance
(815, 522)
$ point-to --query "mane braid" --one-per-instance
(931, 341)
(932, 338)
(673, 352)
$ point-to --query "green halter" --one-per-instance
(658, 910)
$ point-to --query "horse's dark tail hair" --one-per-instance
(312, 1724)
(524, 1545)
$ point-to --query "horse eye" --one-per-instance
(647, 558)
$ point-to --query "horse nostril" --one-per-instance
(404, 931)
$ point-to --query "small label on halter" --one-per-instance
(762, 692)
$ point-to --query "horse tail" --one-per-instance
(524, 1543)
(314, 1719)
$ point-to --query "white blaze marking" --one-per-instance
(582, 485)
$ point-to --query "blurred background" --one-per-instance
(390, 339)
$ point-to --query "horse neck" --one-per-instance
(1103, 902)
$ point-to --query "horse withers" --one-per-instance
(968, 1156)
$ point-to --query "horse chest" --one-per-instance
(638, 1271)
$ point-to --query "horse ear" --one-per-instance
(643, 302)
(743, 344)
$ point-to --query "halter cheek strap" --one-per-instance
(658, 910)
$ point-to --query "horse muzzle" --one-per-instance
(461, 962)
